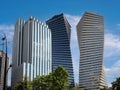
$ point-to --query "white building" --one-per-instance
(32, 55)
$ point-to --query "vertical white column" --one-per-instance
(50, 41)
(41, 51)
(24, 68)
(32, 67)
(45, 51)
(35, 51)
(38, 48)
(27, 63)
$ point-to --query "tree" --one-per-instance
(39, 83)
(57, 80)
(42, 82)
(74, 88)
(116, 84)
(60, 78)
(105, 88)
(23, 85)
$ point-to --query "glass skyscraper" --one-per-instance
(61, 53)
(32, 50)
(90, 32)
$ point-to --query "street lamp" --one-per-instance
(5, 70)
(9, 68)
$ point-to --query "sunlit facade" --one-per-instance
(90, 33)
(32, 54)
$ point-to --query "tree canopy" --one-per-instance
(23, 85)
(116, 84)
(57, 80)
(60, 78)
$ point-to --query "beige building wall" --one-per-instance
(2, 64)
(90, 32)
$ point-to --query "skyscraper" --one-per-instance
(90, 33)
(32, 55)
(2, 68)
(61, 53)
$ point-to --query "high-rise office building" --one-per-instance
(32, 54)
(90, 33)
(2, 68)
(61, 53)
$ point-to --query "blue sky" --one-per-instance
(11, 10)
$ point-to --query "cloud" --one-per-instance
(112, 50)
(73, 20)
(8, 30)
(114, 69)
(112, 45)
(118, 25)
(112, 41)
(113, 72)
(6, 27)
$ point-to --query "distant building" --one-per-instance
(2, 68)
(32, 55)
(90, 33)
(61, 53)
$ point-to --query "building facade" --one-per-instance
(90, 33)
(2, 68)
(32, 50)
(61, 53)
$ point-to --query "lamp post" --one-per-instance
(9, 68)
(5, 67)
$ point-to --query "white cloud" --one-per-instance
(73, 20)
(114, 69)
(118, 25)
(113, 72)
(8, 30)
(112, 45)
(6, 27)
(112, 50)
(112, 41)
(112, 57)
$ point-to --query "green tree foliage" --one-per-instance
(57, 80)
(105, 88)
(116, 84)
(42, 82)
(60, 79)
(74, 88)
(23, 85)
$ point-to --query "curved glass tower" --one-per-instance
(32, 55)
(61, 53)
(90, 32)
